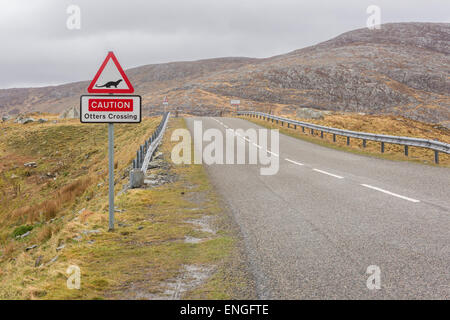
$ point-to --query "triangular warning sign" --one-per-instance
(110, 78)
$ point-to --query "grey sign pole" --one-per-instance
(111, 174)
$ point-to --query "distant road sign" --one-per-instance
(110, 109)
(235, 102)
(110, 78)
(165, 101)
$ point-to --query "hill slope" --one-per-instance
(401, 69)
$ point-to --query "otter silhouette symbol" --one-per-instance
(110, 84)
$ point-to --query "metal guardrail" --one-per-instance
(145, 153)
(436, 146)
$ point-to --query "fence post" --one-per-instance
(137, 158)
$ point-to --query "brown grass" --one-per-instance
(9, 249)
(85, 215)
(49, 209)
(44, 234)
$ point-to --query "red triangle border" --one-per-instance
(91, 88)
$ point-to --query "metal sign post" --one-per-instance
(111, 109)
(111, 174)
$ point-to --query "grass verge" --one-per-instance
(171, 241)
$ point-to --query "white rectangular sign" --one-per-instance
(110, 109)
(234, 102)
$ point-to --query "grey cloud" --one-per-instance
(38, 49)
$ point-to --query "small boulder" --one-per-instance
(38, 262)
(136, 178)
(309, 113)
(31, 164)
(53, 260)
(71, 113)
(27, 120)
(31, 247)
(26, 234)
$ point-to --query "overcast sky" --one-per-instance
(38, 49)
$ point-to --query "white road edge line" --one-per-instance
(294, 162)
(330, 174)
(390, 193)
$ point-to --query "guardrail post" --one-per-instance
(382, 147)
(348, 141)
(436, 156)
(277, 121)
(334, 137)
(364, 143)
(288, 125)
(272, 120)
(406, 151)
(295, 127)
(312, 131)
(321, 134)
(303, 129)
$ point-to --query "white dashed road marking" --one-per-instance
(390, 193)
(294, 162)
(330, 174)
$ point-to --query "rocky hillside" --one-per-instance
(402, 69)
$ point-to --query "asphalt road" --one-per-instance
(312, 229)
